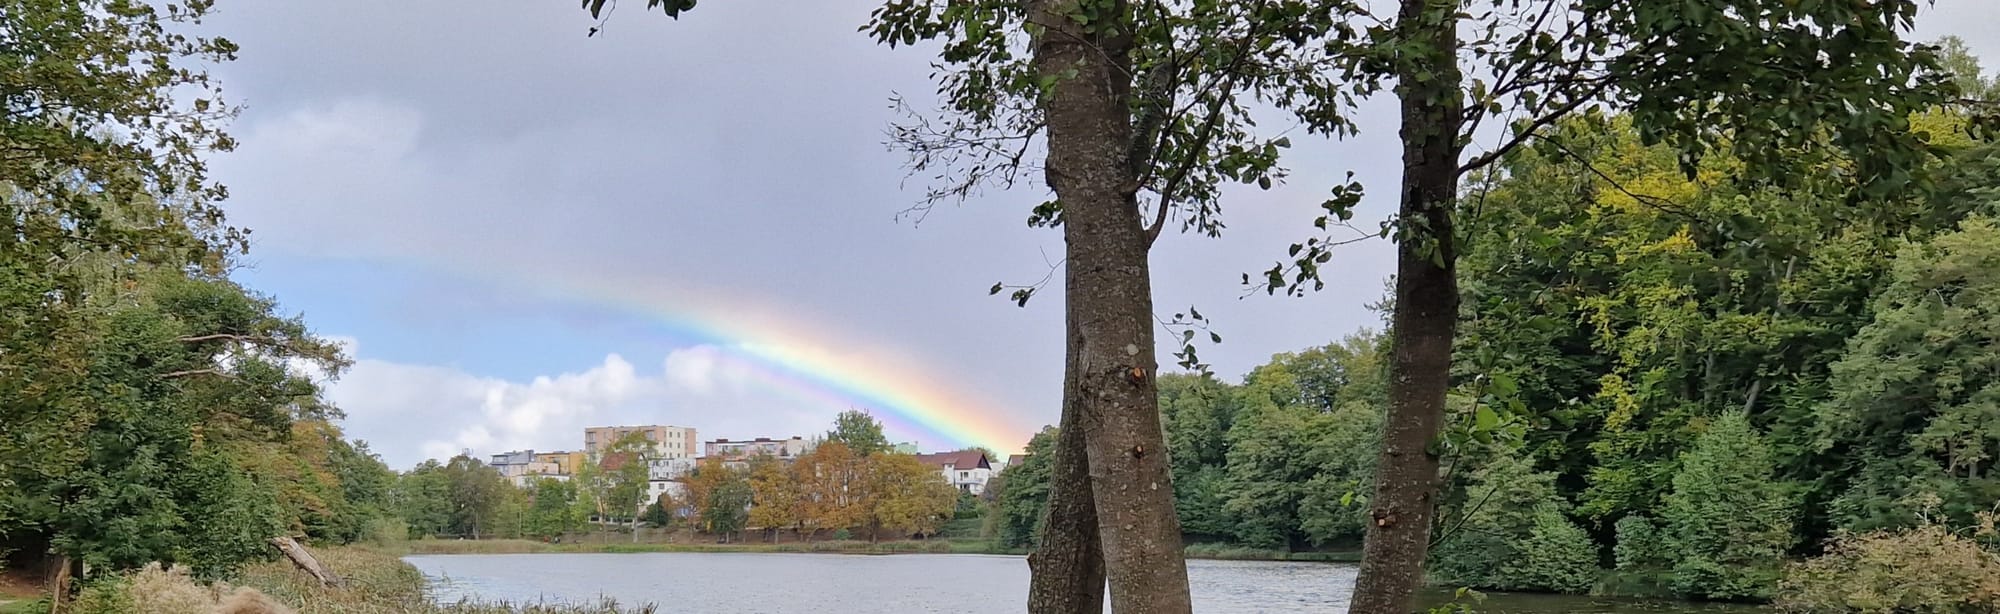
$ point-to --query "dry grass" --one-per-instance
(377, 583)
(154, 590)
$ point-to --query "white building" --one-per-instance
(967, 470)
(669, 468)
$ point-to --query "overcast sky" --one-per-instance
(521, 231)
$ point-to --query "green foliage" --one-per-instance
(1512, 532)
(1927, 569)
(725, 506)
(1915, 397)
(552, 509)
(1728, 521)
(1023, 493)
(860, 431)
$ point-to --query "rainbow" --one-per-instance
(908, 399)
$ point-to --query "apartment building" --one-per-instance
(523, 467)
(788, 448)
(567, 463)
(668, 441)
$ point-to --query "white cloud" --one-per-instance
(409, 412)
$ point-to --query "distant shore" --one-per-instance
(934, 546)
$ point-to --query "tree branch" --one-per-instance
(1602, 83)
(190, 372)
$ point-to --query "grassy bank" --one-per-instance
(377, 582)
(934, 546)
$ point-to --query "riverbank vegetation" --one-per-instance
(376, 582)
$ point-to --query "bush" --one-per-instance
(1557, 556)
(385, 532)
(1514, 534)
(1925, 570)
(1728, 520)
(1640, 559)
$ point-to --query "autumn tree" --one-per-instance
(905, 496)
(775, 501)
(832, 488)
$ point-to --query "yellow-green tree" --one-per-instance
(774, 496)
(906, 496)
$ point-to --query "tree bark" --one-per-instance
(59, 582)
(1110, 304)
(1425, 316)
(1066, 571)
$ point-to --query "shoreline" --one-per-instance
(938, 546)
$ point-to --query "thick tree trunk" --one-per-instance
(1067, 568)
(1110, 306)
(1424, 320)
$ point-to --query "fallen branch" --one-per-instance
(304, 560)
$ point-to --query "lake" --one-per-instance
(864, 584)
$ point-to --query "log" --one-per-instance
(304, 560)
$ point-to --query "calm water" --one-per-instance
(861, 584)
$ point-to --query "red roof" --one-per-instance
(614, 460)
(1016, 459)
(962, 459)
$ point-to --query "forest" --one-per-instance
(1671, 384)
(1734, 336)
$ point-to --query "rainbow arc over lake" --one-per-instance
(785, 357)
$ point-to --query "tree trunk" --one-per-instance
(1425, 315)
(59, 582)
(1067, 568)
(1109, 304)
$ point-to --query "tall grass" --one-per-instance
(377, 582)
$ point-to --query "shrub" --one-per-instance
(1514, 534)
(1642, 568)
(1727, 520)
(1556, 556)
(1925, 570)
(385, 532)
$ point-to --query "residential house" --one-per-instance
(668, 441)
(967, 470)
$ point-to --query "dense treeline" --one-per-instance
(851, 484)
(1672, 381)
